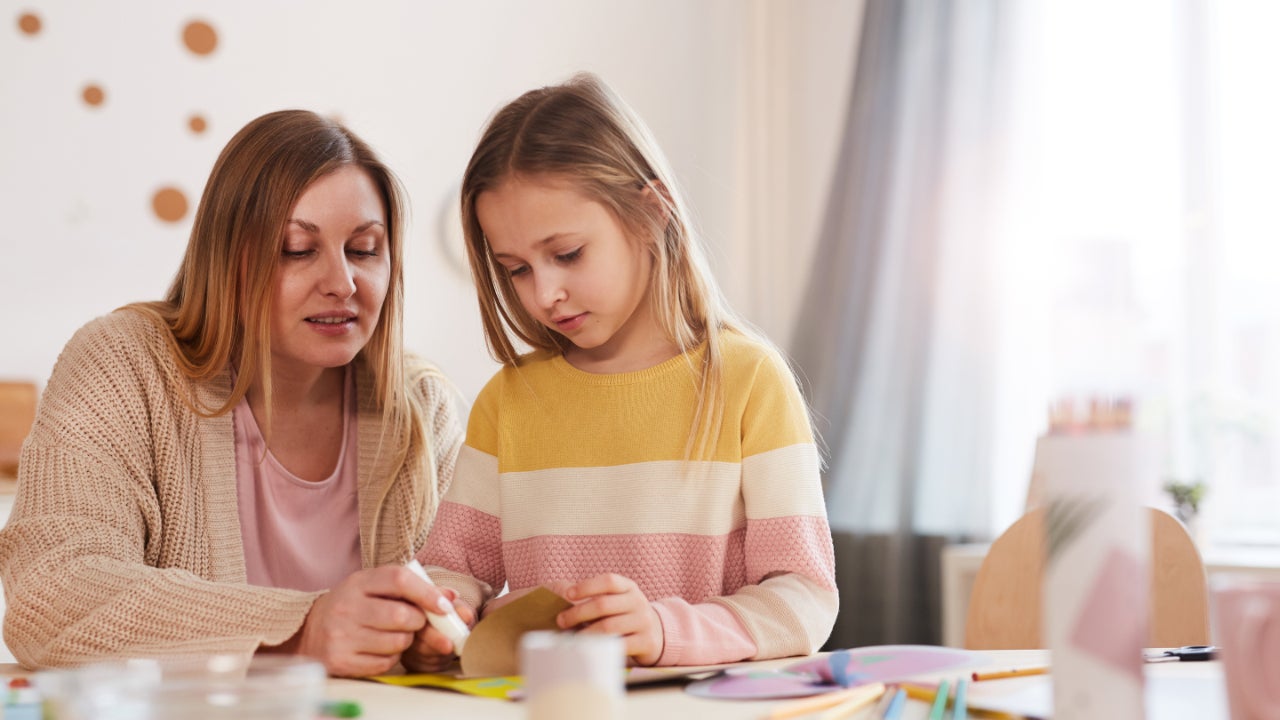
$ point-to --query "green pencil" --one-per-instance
(940, 701)
(340, 709)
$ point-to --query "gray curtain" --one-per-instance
(901, 406)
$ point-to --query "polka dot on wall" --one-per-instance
(93, 95)
(169, 204)
(200, 37)
(29, 23)
(197, 123)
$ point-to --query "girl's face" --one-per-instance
(334, 270)
(576, 270)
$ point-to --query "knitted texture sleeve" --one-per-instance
(786, 600)
(443, 420)
(124, 539)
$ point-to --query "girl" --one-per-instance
(651, 459)
(225, 470)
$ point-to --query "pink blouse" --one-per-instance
(297, 534)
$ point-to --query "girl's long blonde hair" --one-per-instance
(582, 132)
(218, 308)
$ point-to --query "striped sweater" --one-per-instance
(567, 474)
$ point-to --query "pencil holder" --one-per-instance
(1096, 588)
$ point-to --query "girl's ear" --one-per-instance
(658, 197)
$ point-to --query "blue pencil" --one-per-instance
(894, 711)
(961, 710)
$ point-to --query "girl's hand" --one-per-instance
(431, 651)
(362, 625)
(613, 604)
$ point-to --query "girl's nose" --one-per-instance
(550, 289)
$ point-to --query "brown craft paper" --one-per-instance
(494, 646)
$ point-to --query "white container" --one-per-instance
(569, 676)
(216, 687)
(1097, 578)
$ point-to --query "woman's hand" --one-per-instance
(613, 604)
(362, 625)
(430, 650)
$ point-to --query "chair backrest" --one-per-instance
(17, 412)
(1004, 606)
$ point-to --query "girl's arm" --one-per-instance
(789, 603)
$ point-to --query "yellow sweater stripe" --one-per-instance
(587, 420)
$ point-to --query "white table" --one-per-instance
(672, 702)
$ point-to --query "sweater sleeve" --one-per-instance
(464, 549)
(789, 603)
(93, 564)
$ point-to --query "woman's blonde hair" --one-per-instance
(582, 132)
(218, 308)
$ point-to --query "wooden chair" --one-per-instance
(1005, 604)
(17, 412)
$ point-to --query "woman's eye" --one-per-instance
(371, 252)
(569, 256)
(295, 253)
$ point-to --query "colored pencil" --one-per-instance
(926, 693)
(813, 704)
(894, 711)
(940, 701)
(1019, 672)
(960, 709)
(866, 695)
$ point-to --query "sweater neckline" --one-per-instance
(689, 361)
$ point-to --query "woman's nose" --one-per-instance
(338, 280)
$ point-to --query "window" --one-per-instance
(1143, 252)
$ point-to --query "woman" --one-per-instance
(244, 466)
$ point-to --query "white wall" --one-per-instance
(417, 79)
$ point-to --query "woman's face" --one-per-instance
(334, 270)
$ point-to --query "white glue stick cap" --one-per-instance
(449, 624)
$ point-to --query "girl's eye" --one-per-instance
(569, 256)
(517, 270)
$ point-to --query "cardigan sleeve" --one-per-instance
(102, 556)
(443, 425)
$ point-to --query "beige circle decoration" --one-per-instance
(93, 95)
(200, 37)
(197, 123)
(29, 23)
(169, 204)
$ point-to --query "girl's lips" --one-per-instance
(573, 322)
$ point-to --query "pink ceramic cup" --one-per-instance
(1247, 625)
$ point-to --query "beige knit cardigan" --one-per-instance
(124, 539)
